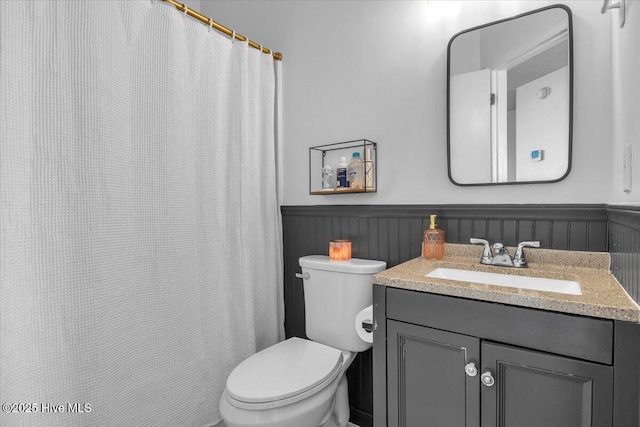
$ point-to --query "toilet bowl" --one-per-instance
(300, 382)
(290, 384)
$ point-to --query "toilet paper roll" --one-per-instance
(364, 321)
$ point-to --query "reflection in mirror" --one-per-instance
(510, 100)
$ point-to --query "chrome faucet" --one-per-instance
(500, 255)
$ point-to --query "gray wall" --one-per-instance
(624, 245)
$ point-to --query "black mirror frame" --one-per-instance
(570, 135)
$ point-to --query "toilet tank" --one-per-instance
(334, 293)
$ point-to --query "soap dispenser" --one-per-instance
(433, 240)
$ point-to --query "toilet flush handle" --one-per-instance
(367, 325)
(304, 276)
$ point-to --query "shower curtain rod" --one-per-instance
(208, 21)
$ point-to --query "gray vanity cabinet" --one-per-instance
(446, 361)
(430, 387)
(535, 389)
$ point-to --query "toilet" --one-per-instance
(300, 382)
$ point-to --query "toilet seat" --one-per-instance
(283, 374)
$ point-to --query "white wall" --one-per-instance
(377, 70)
(542, 124)
(194, 4)
(626, 102)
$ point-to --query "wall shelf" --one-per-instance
(342, 191)
(330, 154)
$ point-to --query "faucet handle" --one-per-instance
(518, 258)
(487, 256)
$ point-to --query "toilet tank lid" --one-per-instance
(353, 266)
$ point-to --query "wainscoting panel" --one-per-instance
(624, 245)
(394, 234)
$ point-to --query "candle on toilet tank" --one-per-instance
(340, 250)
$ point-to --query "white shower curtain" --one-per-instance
(140, 232)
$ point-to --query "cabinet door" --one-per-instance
(426, 378)
(534, 389)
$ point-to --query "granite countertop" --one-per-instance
(602, 295)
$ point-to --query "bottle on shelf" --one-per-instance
(355, 172)
(341, 174)
(369, 172)
(433, 240)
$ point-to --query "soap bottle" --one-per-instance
(341, 172)
(433, 242)
(355, 172)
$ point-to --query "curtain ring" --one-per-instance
(260, 48)
(210, 24)
(233, 36)
(186, 10)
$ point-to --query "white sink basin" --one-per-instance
(496, 279)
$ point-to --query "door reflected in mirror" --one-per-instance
(510, 100)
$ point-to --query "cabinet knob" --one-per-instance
(487, 379)
(471, 369)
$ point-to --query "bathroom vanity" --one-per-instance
(467, 354)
